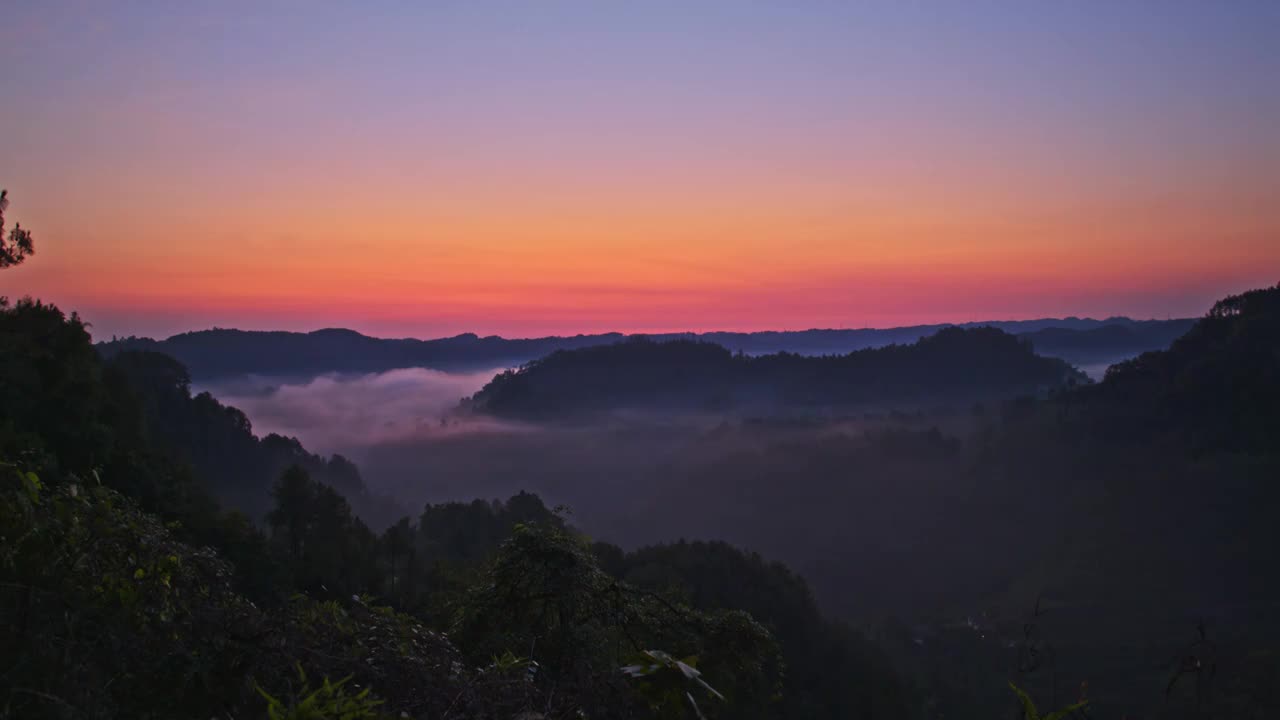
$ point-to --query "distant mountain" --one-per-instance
(1107, 343)
(218, 353)
(222, 353)
(698, 375)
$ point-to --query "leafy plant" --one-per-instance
(511, 664)
(330, 701)
(19, 245)
(1029, 711)
(662, 680)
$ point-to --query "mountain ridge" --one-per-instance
(700, 375)
(222, 352)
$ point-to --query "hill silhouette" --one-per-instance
(1217, 388)
(695, 375)
(1104, 343)
(218, 353)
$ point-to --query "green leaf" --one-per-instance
(1067, 711)
(31, 483)
(1028, 707)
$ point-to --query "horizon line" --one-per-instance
(865, 328)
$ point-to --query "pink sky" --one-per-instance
(466, 169)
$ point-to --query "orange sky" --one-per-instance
(183, 172)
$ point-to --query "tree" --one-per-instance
(295, 495)
(397, 544)
(327, 549)
(543, 596)
(19, 244)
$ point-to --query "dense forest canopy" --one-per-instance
(954, 363)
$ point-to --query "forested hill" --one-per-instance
(1217, 388)
(686, 374)
(221, 352)
(136, 399)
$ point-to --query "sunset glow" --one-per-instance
(528, 169)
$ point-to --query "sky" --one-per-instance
(529, 168)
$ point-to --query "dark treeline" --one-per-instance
(954, 363)
(127, 591)
(219, 353)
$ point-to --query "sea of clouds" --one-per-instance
(342, 413)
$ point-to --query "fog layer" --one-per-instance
(630, 478)
(346, 413)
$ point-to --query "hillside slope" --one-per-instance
(682, 374)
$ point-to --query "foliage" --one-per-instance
(330, 701)
(831, 671)
(19, 244)
(326, 548)
(48, 367)
(101, 605)
(545, 594)
(665, 681)
(105, 614)
(445, 551)
(1029, 711)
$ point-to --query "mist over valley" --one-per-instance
(931, 499)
